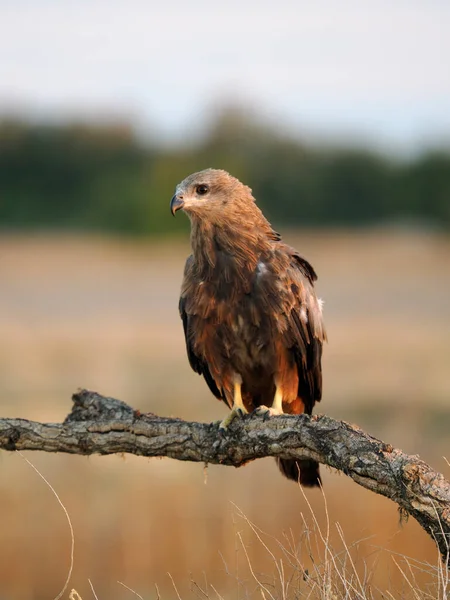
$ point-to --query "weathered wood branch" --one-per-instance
(99, 425)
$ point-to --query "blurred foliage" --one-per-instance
(106, 178)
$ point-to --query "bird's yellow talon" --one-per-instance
(268, 411)
(236, 411)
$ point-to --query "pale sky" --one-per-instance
(376, 70)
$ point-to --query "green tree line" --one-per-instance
(81, 176)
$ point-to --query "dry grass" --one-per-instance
(305, 568)
(102, 314)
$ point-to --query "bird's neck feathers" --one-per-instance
(234, 240)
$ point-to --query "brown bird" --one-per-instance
(252, 321)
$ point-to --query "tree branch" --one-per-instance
(99, 425)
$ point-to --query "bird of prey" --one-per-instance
(252, 322)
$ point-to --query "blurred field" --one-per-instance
(102, 314)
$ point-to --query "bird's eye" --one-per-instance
(202, 189)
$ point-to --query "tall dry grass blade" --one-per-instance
(328, 551)
(72, 536)
(227, 572)
(257, 532)
(413, 577)
(131, 590)
(197, 589)
(443, 572)
(418, 564)
(93, 591)
(174, 586)
(262, 587)
(341, 535)
(219, 596)
(416, 595)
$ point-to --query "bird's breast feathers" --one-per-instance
(245, 319)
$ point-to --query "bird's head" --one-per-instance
(209, 193)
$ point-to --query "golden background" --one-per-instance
(94, 312)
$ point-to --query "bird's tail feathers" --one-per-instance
(305, 471)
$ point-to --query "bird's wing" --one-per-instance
(306, 329)
(197, 363)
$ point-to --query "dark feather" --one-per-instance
(305, 471)
(198, 365)
(308, 347)
(305, 267)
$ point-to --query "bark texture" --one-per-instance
(100, 425)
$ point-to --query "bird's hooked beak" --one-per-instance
(176, 203)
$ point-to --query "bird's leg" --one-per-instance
(275, 409)
(238, 409)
